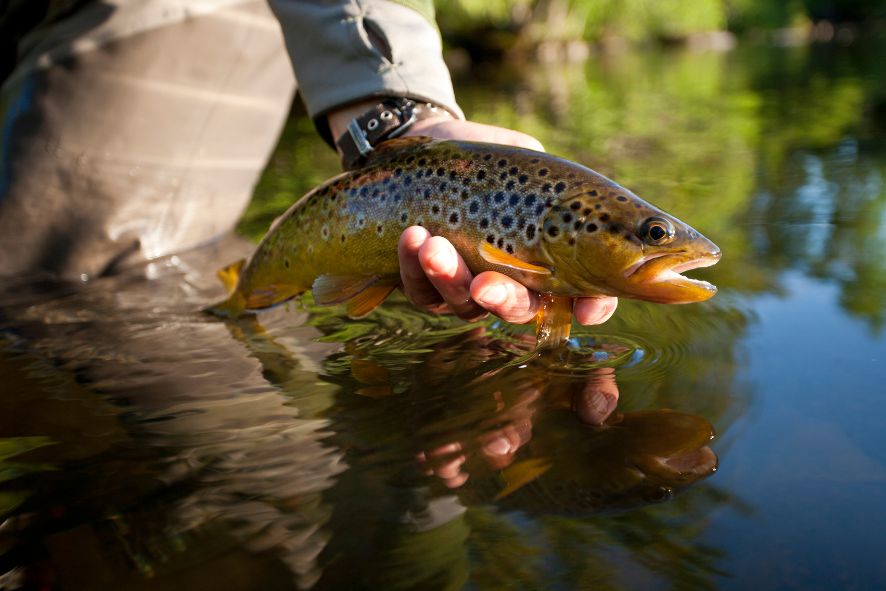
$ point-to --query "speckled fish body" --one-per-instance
(555, 226)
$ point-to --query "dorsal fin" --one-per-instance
(389, 148)
(497, 256)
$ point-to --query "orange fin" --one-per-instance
(518, 475)
(335, 289)
(363, 294)
(230, 274)
(270, 296)
(553, 321)
(497, 256)
(368, 300)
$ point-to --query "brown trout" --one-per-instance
(555, 226)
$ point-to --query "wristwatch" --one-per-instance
(390, 118)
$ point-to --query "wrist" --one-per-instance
(359, 127)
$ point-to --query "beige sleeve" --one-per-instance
(347, 50)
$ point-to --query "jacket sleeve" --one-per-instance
(347, 50)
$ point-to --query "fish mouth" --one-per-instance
(658, 277)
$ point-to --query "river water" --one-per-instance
(732, 444)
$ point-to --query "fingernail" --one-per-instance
(498, 447)
(494, 295)
(442, 263)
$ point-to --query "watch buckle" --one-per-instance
(359, 136)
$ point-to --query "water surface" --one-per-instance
(146, 446)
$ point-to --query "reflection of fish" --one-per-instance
(633, 459)
(557, 227)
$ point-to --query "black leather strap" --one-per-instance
(388, 119)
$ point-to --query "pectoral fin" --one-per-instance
(230, 275)
(518, 475)
(497, 256)
(363, 294)
(553, 321)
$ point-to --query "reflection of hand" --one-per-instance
(435, 276)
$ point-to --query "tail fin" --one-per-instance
(230, 274)
(235, 304)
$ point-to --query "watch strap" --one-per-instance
(388, 119)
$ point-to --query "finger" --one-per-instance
(504, 297)
(599, 397)
(418, 289)
(594, 310)
(450, 276)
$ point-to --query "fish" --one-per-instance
(557, 227)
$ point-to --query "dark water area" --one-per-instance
(732, 444)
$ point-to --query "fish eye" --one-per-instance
(657, 231)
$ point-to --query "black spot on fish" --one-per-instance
(501, 163)
(407, 180)
(503, 176)
(422, 161)
(543, 172)
(484, 223)
(523, 179)
(592, 192)
(586, 211)
(444, 186)
(546, 188)
(614, 229)
(464, 195)
(342, 238)
(379, 229)
(553, 231)
(510, 185)
(487, 157)
(604, 217)
(567, 217)
(453, 217)
(435, 209)
(398, 171)
(539, 209)
(474, 207)
(572, 242)
(453, 175)
(513, 171)
(364, 191)
(441, 171)
(500, 243)
(577, 224)
(286, 263)
(490, 239)
(598, 206)
(499, 197)
(506, 222)
(530, 231)
(481, 174)
(426, 193)
(559, 187)
(410, 159)
(529, 200)
(534, 161)
(404, 217)
(514, 200)
(575, 205)
(622, 198)
(590, 228)
(510, 248)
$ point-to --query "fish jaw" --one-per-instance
(658, 277)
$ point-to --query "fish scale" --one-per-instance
(555, 226)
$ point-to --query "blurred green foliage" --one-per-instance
(532, 21)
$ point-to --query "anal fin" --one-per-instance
(553, 321)
(362, 294)
(368, 300)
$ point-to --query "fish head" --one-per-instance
(602, 239)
